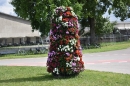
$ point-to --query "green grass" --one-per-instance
(37, 76)
(12, 56)
(109, 47)
(104, 47)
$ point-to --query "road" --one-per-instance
(112, 61)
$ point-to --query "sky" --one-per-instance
(7, 8)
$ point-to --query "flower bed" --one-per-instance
(65, 55)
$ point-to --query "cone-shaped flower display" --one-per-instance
(65, 56)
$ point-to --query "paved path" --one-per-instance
(112, 61)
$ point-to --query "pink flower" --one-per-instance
(73, 64)
(67, 32)
(67, 54)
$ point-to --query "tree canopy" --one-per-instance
(103, 26)
(94, 9)
(39, 11)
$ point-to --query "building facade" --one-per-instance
(16, 31)
(123, 27)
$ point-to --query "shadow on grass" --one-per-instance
(43, 77)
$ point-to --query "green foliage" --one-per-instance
(39, 12)
(104, 26)
(94, 9)
(121, 8)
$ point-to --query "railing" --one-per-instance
(24, 50)
(106, 38)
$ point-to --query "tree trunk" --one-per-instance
(92, 30)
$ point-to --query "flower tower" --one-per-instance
(65, 56)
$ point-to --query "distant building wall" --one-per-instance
(15, 30)
(123, 25)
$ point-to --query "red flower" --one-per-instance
(49, 69)
(74, 19)
(66, 41)
(68, 13)
(69, 58)
(61, 42)
(67, 37)
(65, 19)
(77, 52)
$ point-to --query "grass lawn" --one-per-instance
(22, 56)
(109, 47)
(37, 76)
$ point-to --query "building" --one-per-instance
(123, 27)
(15, 31)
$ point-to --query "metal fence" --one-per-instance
(23, 50)
(106, 38)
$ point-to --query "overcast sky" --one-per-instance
(7, 8)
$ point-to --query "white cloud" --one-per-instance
(6, 7)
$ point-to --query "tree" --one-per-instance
(39, 12)
(104, 26)
(121, 8)
(93, 9)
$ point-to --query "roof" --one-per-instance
(13, 18)
(11, 26)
